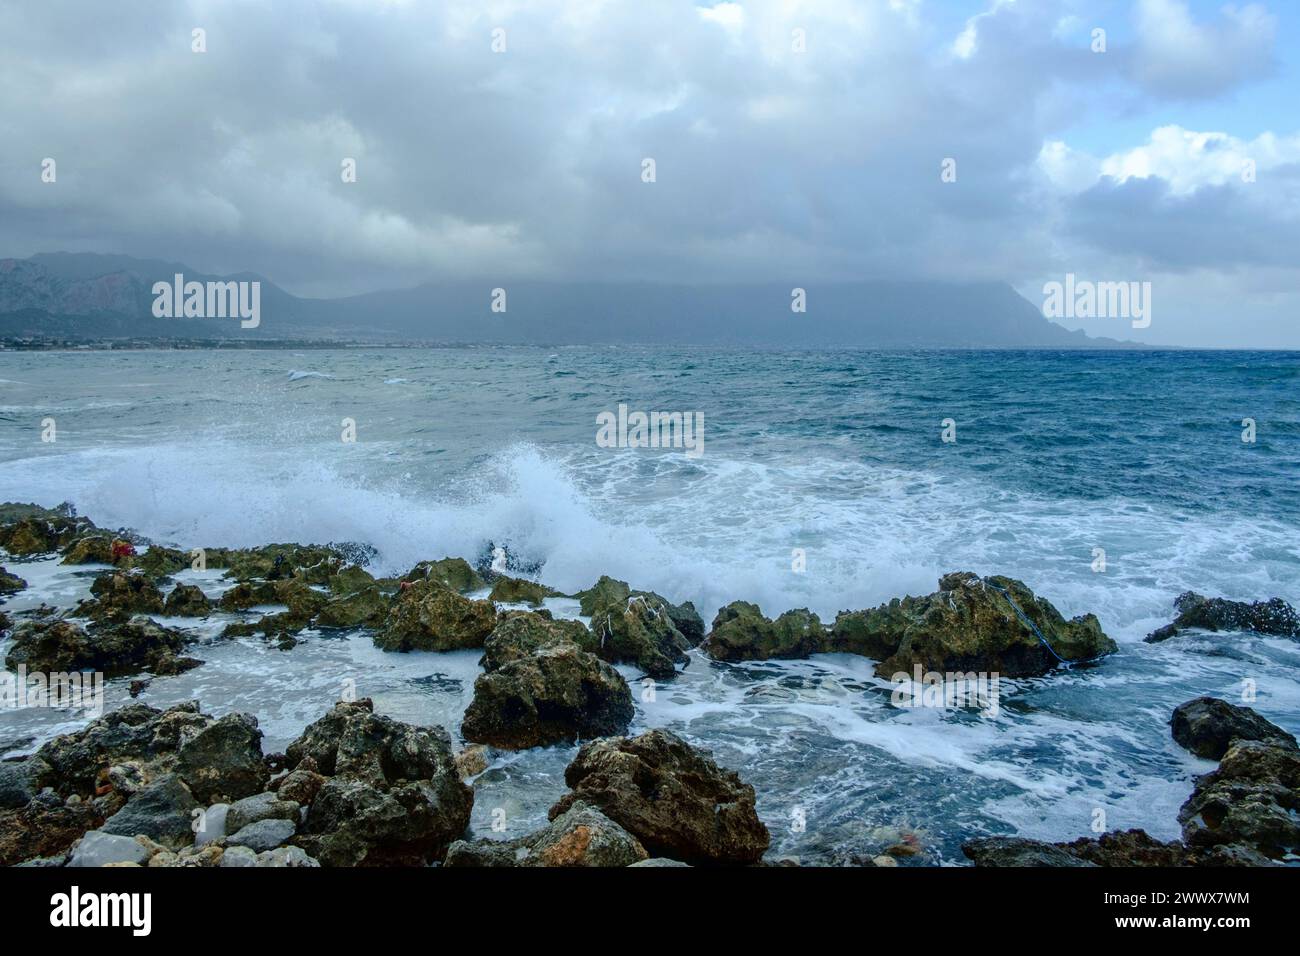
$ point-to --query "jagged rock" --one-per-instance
(19, 781)
(609, 591)
(264, 834)
(581, 836)
(223, 761)
(118, 647)
(247, 594)
(520, 634)
(10, 583)
(300, 785)
(118, 594)
(454, 573)
(27, 529)
(157, 561)
(91, 549)
(639, 631)
(1207, 726)
(428, 616)
(1274, 616)
(1014, 851)
(187, 600)
(310, 564)
(969, 625)
(1252, 799)
(673, 798)
(393, 796)
(45, 827)
(471, 761)
(740, 632)
(261, 806)
(350, 580)
(559, 693)
(367, 607)
(604, 592)
(508, 590)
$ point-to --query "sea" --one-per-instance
(1107, 481)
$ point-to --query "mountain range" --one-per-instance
(94, 297)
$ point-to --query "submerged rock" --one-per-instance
(428, 616)
(1274, 616)
(970, 624)
(581, 836)
(366, 607)
(1015, 851)
(1208, 726)
(740, 632)
(673, 798)
(392, 797)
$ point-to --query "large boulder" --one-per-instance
(311, 564)
(971, 624)
(161, 810)
(427, 616)
(118, 594)
(392, 796)
(581, 836)
(508, 590)
(520, 634)
(1252, 800)
(1274, 616)
(27, 529)
(639, 631)
(454, 573)
(557, 694)
(223, 761)
(673, 798)
(365, 607)
(1207, 727)
(186, 600)
(10, 583)
(740, 632)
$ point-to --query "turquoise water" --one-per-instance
(836, 454)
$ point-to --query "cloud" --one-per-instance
(1176, 56)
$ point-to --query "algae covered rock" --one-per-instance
(454, 573)
(740, 632)
(428, 616)
(1274, 616)
(509, 590)
(640, 631)
(672, 797)
(187, 600)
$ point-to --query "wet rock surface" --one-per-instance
(1195, 612)
(672, 797)
(428, 616)
(1208, 726)
(581, 836)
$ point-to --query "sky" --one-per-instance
(791, 140)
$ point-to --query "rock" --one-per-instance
(581, 836)
(310, 564)
(687, 620)
(286, 856)
(520, 634)
(57, 645)
(300, 786)
(350, 580)
(264, 834)
(262, 806)
(969, 624)
(740, 632)
(92, 549)
(1207, 726)
(1252, 799)
(558, 694)
(44, 827)
(118, 594)
(211, 826)
(509, 590)
(158, 562)
(98, 848)
(1274, 616)
(223, 761)
(639, 631)
(19, 781)
(10, 583)
(393, 797)
(670, 796)
(30, 530)
(162, 811)
(471, 761)
(454, 573)
(1014, 851)
(238, 856)
(247, 594)
(603, 593)
(657, 861)
(367, 607)
(430, 617)
(186, 600)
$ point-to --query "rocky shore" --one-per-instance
(177, 787)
